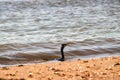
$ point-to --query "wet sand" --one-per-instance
(90, 69)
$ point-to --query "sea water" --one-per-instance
(33, 30)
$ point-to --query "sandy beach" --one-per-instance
(90, 69)
(34, 33)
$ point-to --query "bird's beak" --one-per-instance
(70, 43)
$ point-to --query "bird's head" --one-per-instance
(67, 44)
(63, 45)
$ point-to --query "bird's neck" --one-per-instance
(62, 53)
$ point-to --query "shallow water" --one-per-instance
(33, 30)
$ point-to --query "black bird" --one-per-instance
(62, 53)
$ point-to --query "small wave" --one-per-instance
(34, 52)
(54, 3)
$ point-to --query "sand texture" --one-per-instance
(91, 69)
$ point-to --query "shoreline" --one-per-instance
(107, 68)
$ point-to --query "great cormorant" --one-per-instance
(62, 53)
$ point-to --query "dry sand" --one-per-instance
(92, 69)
